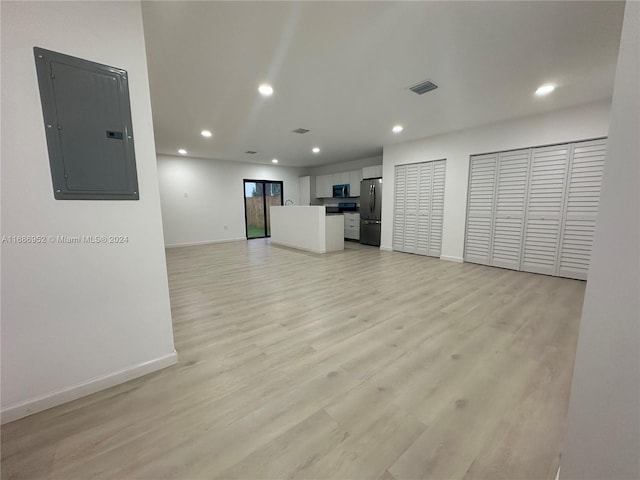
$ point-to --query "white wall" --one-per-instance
(76, 318)
(579, 123)
(215, 197)
(603, 436)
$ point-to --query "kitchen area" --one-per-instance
(333, 208)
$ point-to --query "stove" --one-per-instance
(347, 207)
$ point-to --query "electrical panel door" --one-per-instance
(88, 127)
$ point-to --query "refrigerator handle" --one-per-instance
(373, 202)
(371, 194)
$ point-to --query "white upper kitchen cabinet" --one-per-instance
(305, 190)
(324, 186)
(372, 172)
(324, 183)
(319, 186)
(341, 178)
(308, 195)
(355, 177)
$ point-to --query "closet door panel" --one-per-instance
(482, 179)
(511, 190)
(399, 195)
(411, 210)
(547, 181)
(581, 209)
(437, 208)
(425, 173)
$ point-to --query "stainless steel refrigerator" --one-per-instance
(370, 211)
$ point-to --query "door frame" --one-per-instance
(264, 203)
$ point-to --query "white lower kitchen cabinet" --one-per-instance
(352, 225)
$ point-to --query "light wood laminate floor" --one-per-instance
(360, 364)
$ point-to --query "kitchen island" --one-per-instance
(307, 228)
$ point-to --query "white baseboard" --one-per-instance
(386, 249)
(451, 259)
(558, 474)
(208, 242)
(64, 395)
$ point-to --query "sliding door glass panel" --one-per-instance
(259, 196)
(254, 209)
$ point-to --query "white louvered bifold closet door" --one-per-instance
(399, 207)
(544, 209)
(535, 209)
(418, 207)
(508, 222)
(482, 179)
(437, 208)
(581, 208)
(425, 179)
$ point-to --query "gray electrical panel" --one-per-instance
(87, 119)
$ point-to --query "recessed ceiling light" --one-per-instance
(545, 90)
(315, 150)
(265, 90)
(275, 160)
(182, 151)
(206, 133)
(397, 129)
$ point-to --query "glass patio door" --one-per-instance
(259, 195)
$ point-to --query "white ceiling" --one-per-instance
(342, 70)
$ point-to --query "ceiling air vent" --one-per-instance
(423, 87)
(301, 130)
(250, 152)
